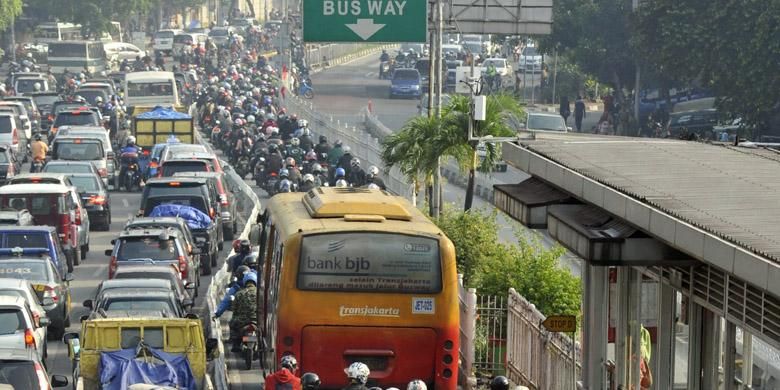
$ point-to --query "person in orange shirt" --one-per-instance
(285, 378)
(38, 151)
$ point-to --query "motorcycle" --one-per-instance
(259, 174)
(242, 166)
(384, 70)
(249, 342)
(37, 166)
(270, 184)
(306, 90)
(132, 174)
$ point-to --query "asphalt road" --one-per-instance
(342, 91)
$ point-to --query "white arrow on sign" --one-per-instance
(365, 28)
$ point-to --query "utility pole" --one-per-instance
(437, 55)
(431, 191)
(13, 39)
(555, 74)
(636, 79)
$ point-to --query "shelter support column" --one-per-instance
(628, 327)
(596, 302)
(729, 356)
(663, 357)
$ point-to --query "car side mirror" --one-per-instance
(190, 286)
(521, 124)
(67, 337)
(113, 241)
(109, 252)
(87, 304)
(84, 318)
(59, 381)
(44, 322)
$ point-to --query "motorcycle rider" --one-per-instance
(384, 57)
(294, 150)
(293, 172)
(373, 178)
(346, 160)
(285, 184)
(235, 287)
(310, 381)
(129, 149)
(305, 139)
(308, 183)
(356, 175)
(322, 148)
(38, 150)
(244, 250)
(335, 154)
(244, 309)
(320, 179)
(357, 373)
(339, 178)
(274, 161)
(285, 378)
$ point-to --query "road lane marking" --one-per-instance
(125, 202)
(98, 271)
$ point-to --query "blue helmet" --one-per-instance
(340, 172)
(249, 276)
(267, 100)
(284, 172)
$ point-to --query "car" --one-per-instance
(143, 285)
(11, 217)
(503, 68)
(20, 287)
(226, 199)
(54, 205)
(51, 287)
(530, 60)
(194, 192)
(75, 117)
(26, 85)
(41, 178)
(30, 107)
(405, 82)
(169, 273)
(37, 237)
(184, 40)
(77, 148)
(22, 368)
(544, 122)
(20, 109)
(10, 166)
(221, 35)
(123, 51)
(19, 327)
(139, 301)
(96, 199)
(97, 132)
(106, 85)
(244, 22)
(176, 223)
(163, 40)
(154, 246)
(10, 134)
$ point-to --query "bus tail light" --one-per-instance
(29, 338)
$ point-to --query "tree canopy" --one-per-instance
(9, 9)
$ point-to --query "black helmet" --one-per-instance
(310, 381)
(245, 247)
(251, 261)
(241, 270)
(323, 139)
(38, 136)
(499, 383)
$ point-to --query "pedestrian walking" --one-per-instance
(565, 109)
(579, 113)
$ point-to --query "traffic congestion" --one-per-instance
(123, 192)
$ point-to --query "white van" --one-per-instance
(151, 89)
(163, 40)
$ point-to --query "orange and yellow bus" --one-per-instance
(359, 275)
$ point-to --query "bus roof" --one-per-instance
(148, 76)
(337, 209)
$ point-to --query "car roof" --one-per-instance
(135, 314)
(153, 220)
(150, 268)
(199, 174)
(166, 180)
(139, 293)
(66, 162)
(20, 284)
(27, 228)
(135, 283)
(154, 232)
(48, 175)
(185, 160)
(547, 114)
(33, 188)
(18, 354)
(17, 98)
(7, 300)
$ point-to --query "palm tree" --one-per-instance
(501, 111)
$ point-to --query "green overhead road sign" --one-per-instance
(364, 20)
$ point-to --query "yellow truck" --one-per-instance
(108, 346)
(159, 124)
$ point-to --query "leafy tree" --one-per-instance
(9, 9)
(500, 112)
(492, 267)
(731, 47)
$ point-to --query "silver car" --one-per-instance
(92, 149)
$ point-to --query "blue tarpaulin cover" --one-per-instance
(120, 369)
(160, 112)
(195, 218)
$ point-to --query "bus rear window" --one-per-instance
(370, 262)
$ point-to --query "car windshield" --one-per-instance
(85, 183)
(6, 124)
(44, 102)
(139, 304)
(84, 118)
(170, 168)
(38, 204)
(80, 151)
(147, 248)
(21, 269)
(91, 95)
(28, 85)
(20, 374)
(11, 321)
(545, 122)
(406, 74)
(529, 51)
(163, 34)
(67, 168)
(474, 47)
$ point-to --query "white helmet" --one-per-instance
(308, 177)
(273, 130)
(372, 186)
(303, 123)
(416, 385)
(131, 140)
(343, 183)
(295, 141)
(373, 170)
(357, 371)
(250, 119)
(37, 87)
(346, 149)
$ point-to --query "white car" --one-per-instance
(19, 327)
(163, 40)
(22, 288)
(544, 122)
(502, 66)
(123, 51)
(530, 59)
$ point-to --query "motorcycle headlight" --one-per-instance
(415, 87)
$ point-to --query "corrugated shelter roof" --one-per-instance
(733, 193)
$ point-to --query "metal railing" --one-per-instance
(491, 334)
(467, 298)
(536, 358)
